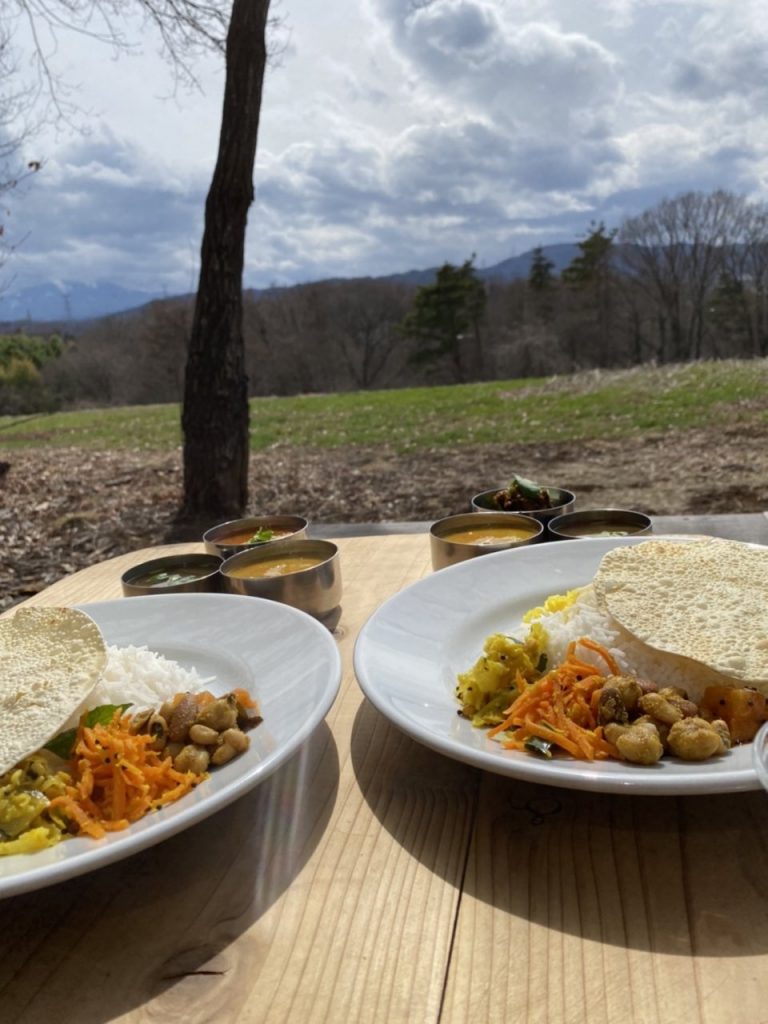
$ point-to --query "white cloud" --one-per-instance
(398, 133)
(519, 71)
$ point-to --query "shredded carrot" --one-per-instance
(117, 779)
(560, 707)
(593, 645)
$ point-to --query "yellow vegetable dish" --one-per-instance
(489, 687)
(26, 824)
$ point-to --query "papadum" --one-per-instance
(706, 600)
(50, 660)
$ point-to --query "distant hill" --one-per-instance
(68, 302)
(517, 267)
(513, 269)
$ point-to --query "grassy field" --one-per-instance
(595, 404)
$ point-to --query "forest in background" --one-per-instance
(686, 280)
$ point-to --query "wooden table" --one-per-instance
(370, 880)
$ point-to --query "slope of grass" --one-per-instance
(587, 405)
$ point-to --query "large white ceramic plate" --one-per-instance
(285, 658)
(410, 651)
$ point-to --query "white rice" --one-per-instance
(138, 676)
(584, 618)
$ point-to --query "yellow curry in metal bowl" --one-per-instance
(279, 565)
(488, 534)
(463, 536)
(304, 573)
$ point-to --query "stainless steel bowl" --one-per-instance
(216, 541)
(562, 501)
(599, 522)
(447, 551)
(316, 590)
(136, 580)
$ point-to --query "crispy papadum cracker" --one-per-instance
(706, 600)
(50, 660)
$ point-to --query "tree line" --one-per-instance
(685, 280)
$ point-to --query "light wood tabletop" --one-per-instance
(370, 879)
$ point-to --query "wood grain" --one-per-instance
(592, 908)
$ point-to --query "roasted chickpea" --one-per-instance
(192, 758)
(662, 728)
(694, 739)
(203, 735)
(237, 739)
(640, 744)
(661, 708)
(223, 753)
(220, 714)
(613, 730)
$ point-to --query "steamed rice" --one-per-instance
(140, 677)
(582, 617)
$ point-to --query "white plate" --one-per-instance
(285, 658)
(412, 648)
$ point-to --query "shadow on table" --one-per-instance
(686, 876)
(94, 948)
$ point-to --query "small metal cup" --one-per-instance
(447, 552)
(205, 584)
(562, 500)
(316, 590)
(215, 539)
(599, 522)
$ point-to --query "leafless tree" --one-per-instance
(16, 106)
(184, 28)
(358, 322)
(674, 252)
(745, 279)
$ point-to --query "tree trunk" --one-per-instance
(215, 408)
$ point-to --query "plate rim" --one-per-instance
(526, 768)
(92, 859)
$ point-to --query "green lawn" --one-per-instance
(588, 405)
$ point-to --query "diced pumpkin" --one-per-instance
(743, 710)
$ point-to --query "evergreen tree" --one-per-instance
(446, 315)
(540, 275)
(594, 261)
(590, 279)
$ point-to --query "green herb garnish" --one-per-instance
(527, 488)
(64, 742)
(264, 534)
(162, 578)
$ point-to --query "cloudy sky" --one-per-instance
(402, 133)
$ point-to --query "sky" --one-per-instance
(399, 134)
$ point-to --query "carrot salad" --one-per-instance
(117, 778)
(561, 707)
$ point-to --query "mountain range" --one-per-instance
(65, 302)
